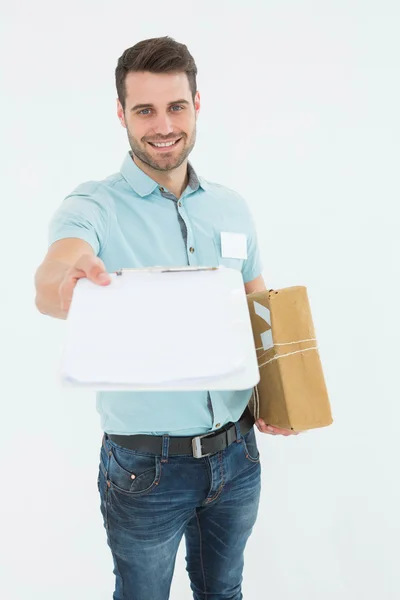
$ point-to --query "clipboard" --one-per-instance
(161, 328)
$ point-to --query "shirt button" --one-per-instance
(191, 249)
(162, 189)
(179, 203)
(218, 425)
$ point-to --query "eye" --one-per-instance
(142, 111)
(177, 106)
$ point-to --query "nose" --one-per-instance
(163, 125)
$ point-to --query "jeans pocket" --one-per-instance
(249, 443)
(132, 473)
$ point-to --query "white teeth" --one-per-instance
(164, 145)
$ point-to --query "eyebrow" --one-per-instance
(149, 105)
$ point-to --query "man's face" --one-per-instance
(159, 109)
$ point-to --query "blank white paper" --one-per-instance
(149, 329)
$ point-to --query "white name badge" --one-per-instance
(233, 245)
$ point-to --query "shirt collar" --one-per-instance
(144, 185)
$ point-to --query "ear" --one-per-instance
(120, 114)
(197, 103)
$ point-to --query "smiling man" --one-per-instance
(165, 151)
(154, 486)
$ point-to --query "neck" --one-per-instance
(175, 181)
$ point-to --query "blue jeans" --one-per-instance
(149, 502)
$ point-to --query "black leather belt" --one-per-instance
(199, 446)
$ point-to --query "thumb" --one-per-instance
(104, 278)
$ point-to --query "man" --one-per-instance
(158, 211)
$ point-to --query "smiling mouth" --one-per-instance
(164, 145)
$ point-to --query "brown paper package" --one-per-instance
(291, 393)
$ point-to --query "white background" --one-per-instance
(300, 114)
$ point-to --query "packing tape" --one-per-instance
(288, 353)
(288, 343)
(256, 405)
(255, 396)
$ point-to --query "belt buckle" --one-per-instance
(196, 446)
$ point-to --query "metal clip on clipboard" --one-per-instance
(166, 269)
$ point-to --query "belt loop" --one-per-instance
(238, 432)
(165, 448)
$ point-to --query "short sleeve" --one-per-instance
(83, 216)
(252, 266)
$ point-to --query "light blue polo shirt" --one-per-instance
(132, 222)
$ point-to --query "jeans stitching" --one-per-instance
(248, 457)
(201, 554)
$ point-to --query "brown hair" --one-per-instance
(156, 55)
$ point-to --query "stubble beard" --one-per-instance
(163, 163)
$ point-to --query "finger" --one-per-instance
(98, 275)
(279, 431)
(66, 290)
(94, 269)
(263, 427)
(284, 432)
(271, 429)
